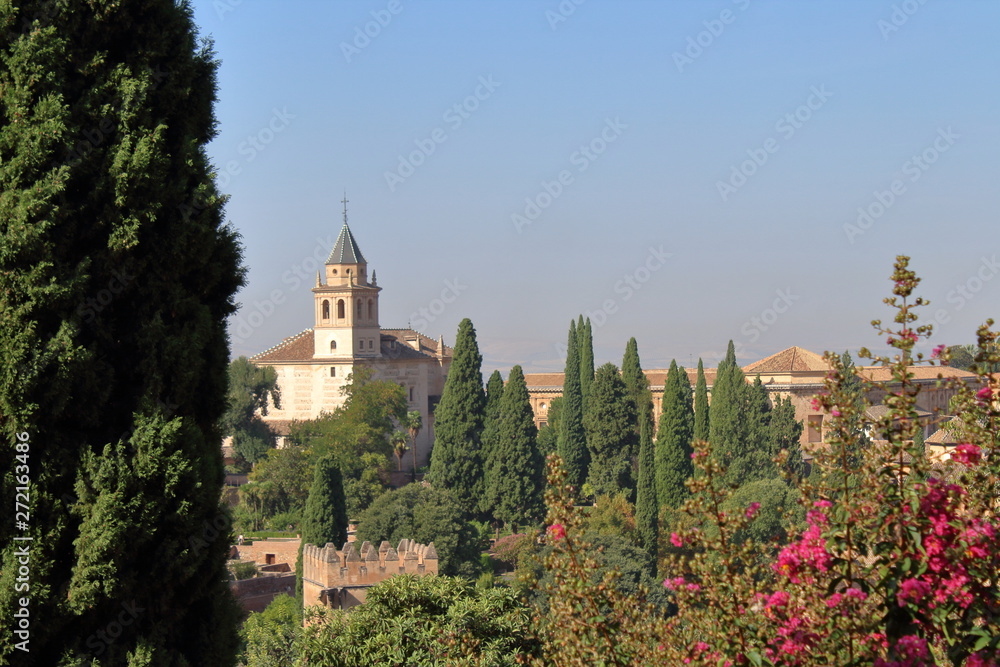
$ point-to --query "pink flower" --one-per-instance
(676, 540)
(937, 351)
(752, 510)
(557, 531)
(966, 454)
(835, 412)
(816, 403)
(822, 503)
(673, 584)
(984, 394)
(912, 590)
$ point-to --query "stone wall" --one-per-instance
(339, 578)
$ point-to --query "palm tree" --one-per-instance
(413, 424)
(398, 441)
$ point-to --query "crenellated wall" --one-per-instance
(339, 578)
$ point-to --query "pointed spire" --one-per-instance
(344, 202)
(374, 278)
(346, 250)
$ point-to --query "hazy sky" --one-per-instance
(684, 172)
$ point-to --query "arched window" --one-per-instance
(411, 393)
(361, 305)
(333, 345)
(340, 309)
(371, 309)
(333, 371)
(326, 309)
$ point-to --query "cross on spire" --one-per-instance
(344, 202)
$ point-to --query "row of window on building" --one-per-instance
(342, 309)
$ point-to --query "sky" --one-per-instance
(682, 172)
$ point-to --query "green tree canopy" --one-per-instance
(456, 463)
(673, 439)
(425, 514)
(611, 438)
(517, 472)
(572, 443)
(117, 275)
(702, 412)
(251, 389)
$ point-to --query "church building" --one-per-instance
(314, 365)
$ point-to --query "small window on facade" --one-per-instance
(371, 345)
(326, 309)
(541, 406)
(411, 393)
(371, 308)
(361, 345)
(333, 345)
(360, 306)
(340, 308)
(333, 371)
(335, 272)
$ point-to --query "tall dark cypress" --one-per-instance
(491, 424)
(728, 428)
(646, 501)
(325, 517)
(517, 475)
(702, 411)
(609, 420)
(572, 443)
(673, 439)
(456, 462)
(752, 458)
(585, 336)
(117, 275)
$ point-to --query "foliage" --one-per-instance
(278, 485)
(272, 638)
(414, 422)
(363, 424)
(611, 437)
(585, 350)
(702, 412)
(647, 505)
(251, 389)
(366, 483)
(896, 564)
(548, 435)
(673, 439)
(572, 443)
(422, 620)
(491, 426)
(458, 424)
(516, 474)
(636, 383)
(325, 517)
(511, 550)
(117, 276)
(244, 569)
(425, 514)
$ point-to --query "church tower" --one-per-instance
(347, 326)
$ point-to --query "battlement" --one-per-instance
(339, 578)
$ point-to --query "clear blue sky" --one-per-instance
(713, 157)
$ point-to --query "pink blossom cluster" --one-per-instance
(799, 560)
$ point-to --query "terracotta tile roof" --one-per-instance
(300, 347)
(943, 436)
(544, 380)
(294, 348)
(280, 427)
(656, 377)
(879, 411)
(884, 374)
(794, 359)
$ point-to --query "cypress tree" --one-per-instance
(457, 464)
(636, 381)
(517, 476)
(786, 431)
(585, 336)
(751, 458)
(609, 420)
(325, 517)
(646, 501)
(673, 439)
(727, 427)
(117, 275)
(494, 392)
(702, 411)
(572, 443)
(548, 435)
